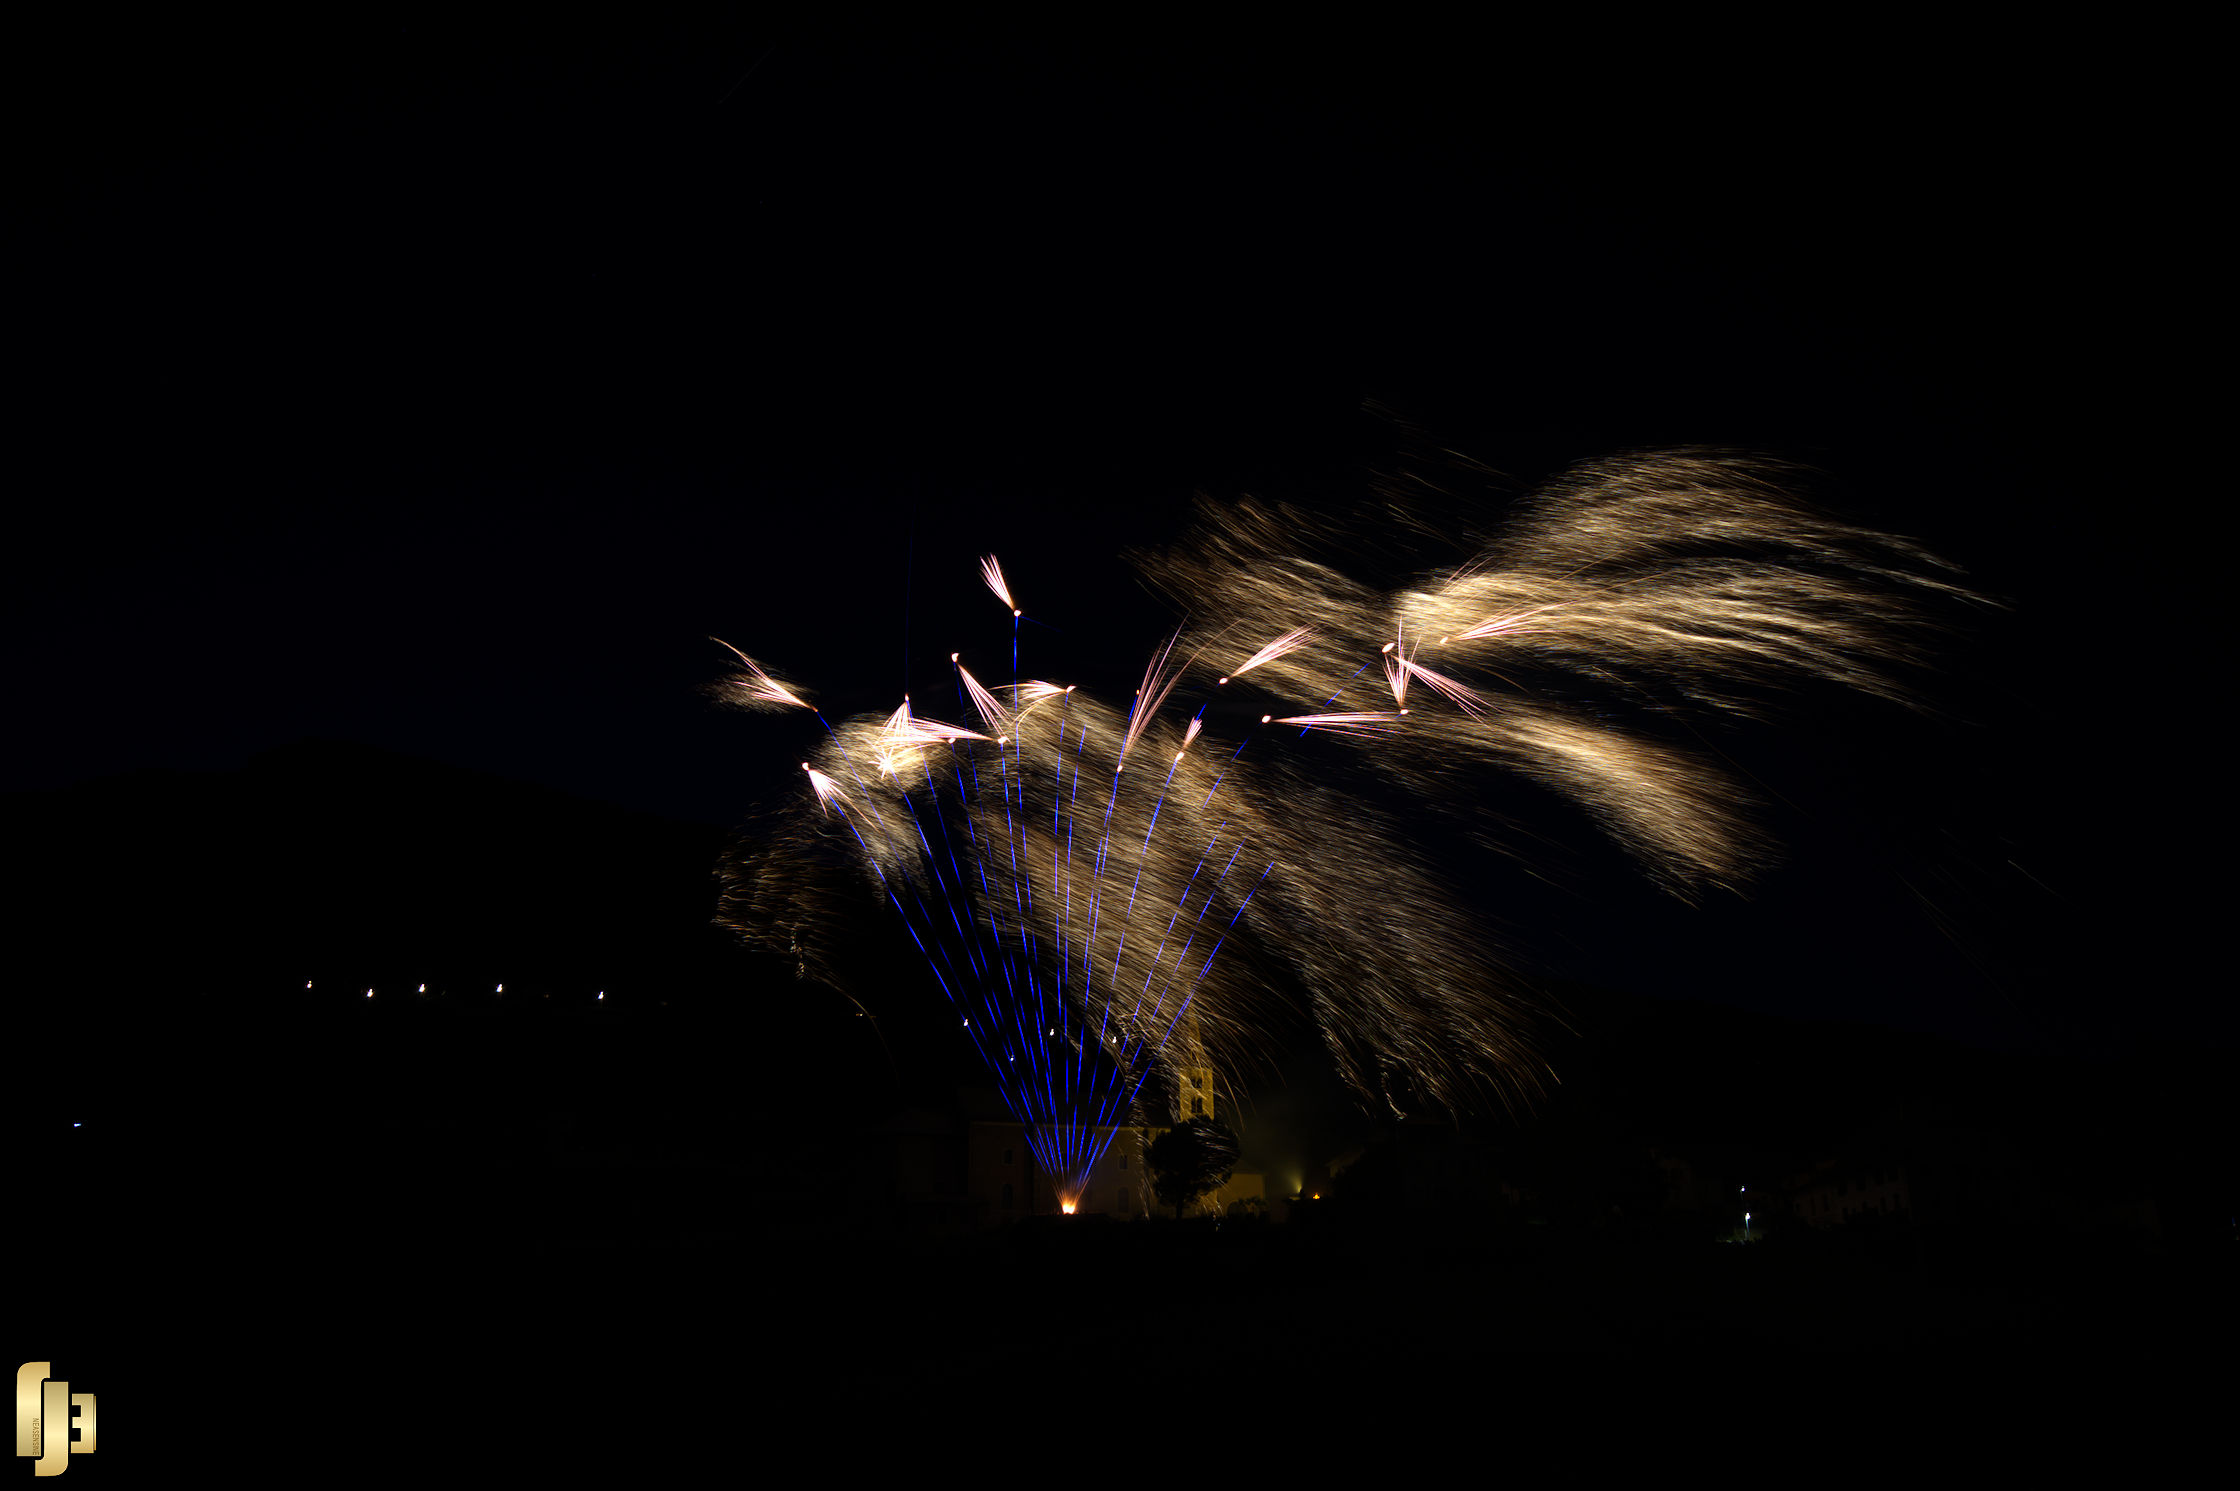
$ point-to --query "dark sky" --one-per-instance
(445, 389)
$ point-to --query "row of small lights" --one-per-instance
(424, 989)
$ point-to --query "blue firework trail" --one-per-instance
(1022, 892)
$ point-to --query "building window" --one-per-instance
(1197, 1105)
(1007, 1195)
(1123, 1162)
(1123, 1198)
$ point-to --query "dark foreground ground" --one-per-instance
(340, 1323)
(292, 1244)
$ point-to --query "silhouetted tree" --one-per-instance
(1191, 1159)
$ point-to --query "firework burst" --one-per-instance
(1089, 924)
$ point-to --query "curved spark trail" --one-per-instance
(1089, 923)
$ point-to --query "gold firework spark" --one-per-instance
(1681, 586)
(759, 690)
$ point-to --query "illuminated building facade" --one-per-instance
(1004, 1184)
(1835, 1194)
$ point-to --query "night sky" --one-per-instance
(443, 390)
(401, 405)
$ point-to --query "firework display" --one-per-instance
(1103, 892)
